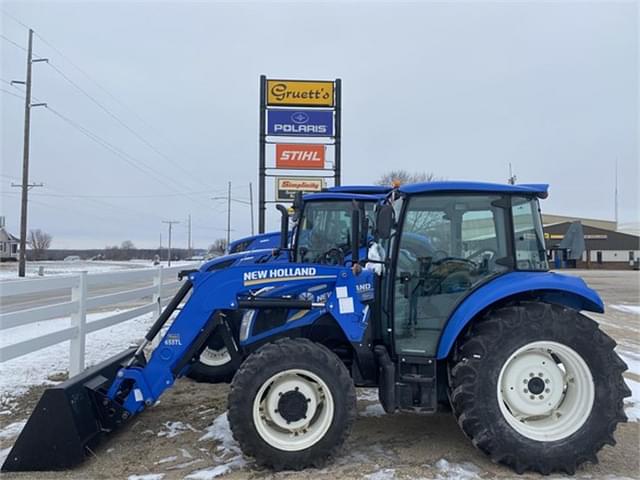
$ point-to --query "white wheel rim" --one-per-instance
(215, 358)
(543, 399)
(296, 432)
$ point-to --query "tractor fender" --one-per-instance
(552, 287)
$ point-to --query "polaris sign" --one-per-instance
(307, 123)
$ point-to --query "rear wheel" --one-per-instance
(292, 404)
(538, 387)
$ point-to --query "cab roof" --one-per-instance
(342, 196)
(537, 189)
(365, 189)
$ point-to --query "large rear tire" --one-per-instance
(292, 404)
(538, 387)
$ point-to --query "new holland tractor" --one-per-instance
(460, 313)
(214, 364)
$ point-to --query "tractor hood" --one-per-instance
(241, 258)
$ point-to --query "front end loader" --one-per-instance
(456, 311)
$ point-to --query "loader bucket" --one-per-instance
(69, 420)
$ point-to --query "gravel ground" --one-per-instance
(167, 441)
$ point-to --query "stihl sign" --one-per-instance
(296, 156)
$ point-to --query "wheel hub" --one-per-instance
(292, 406)
(536, 385)
(293, 410)
(545, 390)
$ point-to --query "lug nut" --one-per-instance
(547, 391)
(531, 397)
(541, 397)
(526, 390)
(547, 380)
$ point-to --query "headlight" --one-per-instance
(247, 322)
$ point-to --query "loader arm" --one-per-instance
(212, 293)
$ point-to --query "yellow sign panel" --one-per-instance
(300, 92)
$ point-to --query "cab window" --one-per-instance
(528, 235)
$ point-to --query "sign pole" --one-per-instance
(338, 133)
(262, 155)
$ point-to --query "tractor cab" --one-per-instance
(446, 240)
(323, 226)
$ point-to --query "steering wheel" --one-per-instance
(333, 256)
(462, 261)
(484, 250)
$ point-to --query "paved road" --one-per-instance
(20, 302)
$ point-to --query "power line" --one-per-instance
(136, 163)
(15, 44)
(11, 93)
(99, 104)
(14, 19)
(120, 121)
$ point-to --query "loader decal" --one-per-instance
(257, 277)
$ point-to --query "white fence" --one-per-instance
(162, 284)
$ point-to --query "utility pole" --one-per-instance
(170, 223)
(189, 235)
(25, 154)
(616, 195)
(251, 206)
(229, 215)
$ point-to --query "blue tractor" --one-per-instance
(460, 313)
(214, 364)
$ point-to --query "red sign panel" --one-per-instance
(298, 156)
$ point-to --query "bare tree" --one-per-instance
(405, 176)
(39, 241)
(219, 246)
(127, 245)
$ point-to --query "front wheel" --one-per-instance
(292, 404)
(538, 387)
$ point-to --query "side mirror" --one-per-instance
(284, 227)
(384, 221)
(297, 201)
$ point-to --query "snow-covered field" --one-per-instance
(36, 368)
(9, 271)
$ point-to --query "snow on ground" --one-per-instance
(228, 452)
(374, 410)
(627, 308)
(9, 271)
(456, 471)
(384, 474)
(35, 368)
(175, 428)
(148, 476)
(12, 430)
(632, 404)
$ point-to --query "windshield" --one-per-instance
(324, 232)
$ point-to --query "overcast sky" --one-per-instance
(457, 89)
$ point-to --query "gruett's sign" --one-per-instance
(300, 93)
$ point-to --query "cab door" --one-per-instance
(448, 244)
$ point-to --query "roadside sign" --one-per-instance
(306, 122)
(300, 156)
(286, 187)
(300, 92)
